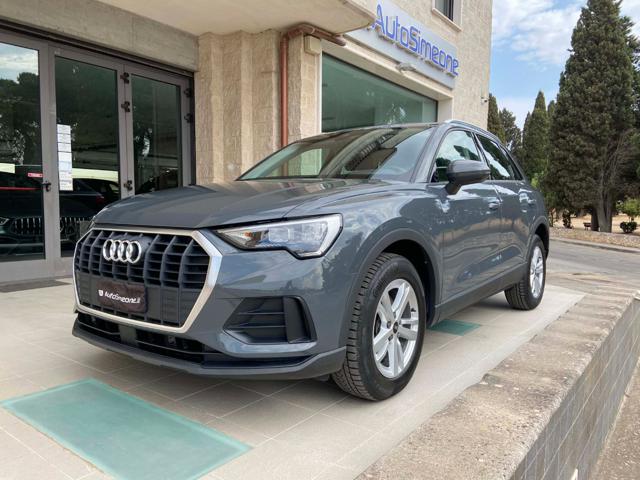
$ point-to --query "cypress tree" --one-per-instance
(494, 123)
(535, 142)
(592, 136)
(512, 133)
(550, 111)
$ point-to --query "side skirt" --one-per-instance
(482, 291)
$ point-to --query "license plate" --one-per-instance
(122, 297)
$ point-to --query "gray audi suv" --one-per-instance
(329, 258)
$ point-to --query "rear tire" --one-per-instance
(528, 292)
(385, 337)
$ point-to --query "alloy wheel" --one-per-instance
(395, 331)
(536, 272)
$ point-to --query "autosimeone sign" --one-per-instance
(398, 35)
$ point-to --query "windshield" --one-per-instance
(378, 154)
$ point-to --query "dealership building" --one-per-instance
(101, 100)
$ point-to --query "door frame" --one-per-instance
(18, 270)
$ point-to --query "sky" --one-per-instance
(531, 39)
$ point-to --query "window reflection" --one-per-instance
(354, 98)
(21, 212)
(377, 154)
(87, 107)
(156, 134)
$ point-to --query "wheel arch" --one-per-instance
(419, 258)
(421, 254)
(542, 230)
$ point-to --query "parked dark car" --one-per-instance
(330, 257)
(109, 189)
(21, 214)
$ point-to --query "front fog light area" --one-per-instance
(306, 238)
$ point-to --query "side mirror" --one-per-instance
(465, 172)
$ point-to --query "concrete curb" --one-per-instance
(603, 246)
(545, 411)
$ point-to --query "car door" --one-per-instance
(471, 220)
(517, 199)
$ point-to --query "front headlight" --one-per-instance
(3, 221)
(306, 238)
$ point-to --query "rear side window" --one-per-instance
(516, 171)
(499, 162)
(457, 145)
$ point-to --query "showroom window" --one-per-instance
(352, 97)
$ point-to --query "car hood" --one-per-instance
(227, 203)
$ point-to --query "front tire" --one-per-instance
(527, 293)
(386, 331)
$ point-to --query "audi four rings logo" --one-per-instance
(125, 251)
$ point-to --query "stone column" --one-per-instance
(304, 91)
(237, 103)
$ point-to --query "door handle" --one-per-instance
(128, 185)
(46, 186)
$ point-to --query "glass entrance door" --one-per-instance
(26, 216)
(158, 119)
(157, 142)
(78, 131)
(21, 209)
(87, 134)
(119, 132)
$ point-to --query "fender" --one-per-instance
(541, 220)
(379, 245)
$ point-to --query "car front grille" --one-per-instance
(173, 270)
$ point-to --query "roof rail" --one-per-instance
(461, 122)
(470, 125)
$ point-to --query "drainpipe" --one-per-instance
(302, 29)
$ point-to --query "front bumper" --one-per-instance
(311, 367)
(237, 276)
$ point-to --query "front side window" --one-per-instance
(377, 154)
(500, 165)
(457, 145)
(446, 7)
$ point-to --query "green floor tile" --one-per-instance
(455, 327)
(124, 436)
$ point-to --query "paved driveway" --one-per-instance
(298, 430)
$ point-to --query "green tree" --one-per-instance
(512, 133)
(593, 137)
(525, 125)
(494, 123)
(631, 208)
(550, 112)
(634, 45)
(535, 142)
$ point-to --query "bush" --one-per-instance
(631, 208)
(628, 227)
